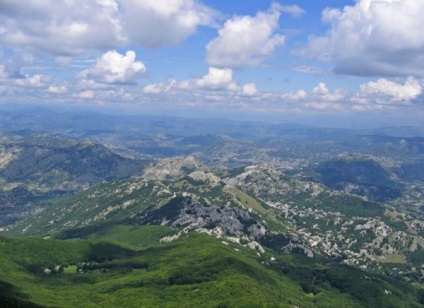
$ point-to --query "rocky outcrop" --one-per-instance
(294, 246)
(172, 168)
(190, 212)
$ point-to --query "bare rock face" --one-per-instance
(172, 168)
(295, 246)
(207, 177)
(191, 213)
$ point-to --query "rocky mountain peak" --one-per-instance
(173, 168)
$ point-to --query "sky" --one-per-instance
(338, 63)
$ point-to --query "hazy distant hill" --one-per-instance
(412, 171)
(38, 167)
(359, 175)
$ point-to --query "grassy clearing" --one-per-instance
(132, 237)
(71, 269)
(395, 258)
(246, 200)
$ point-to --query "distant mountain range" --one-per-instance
(150, 211)
(143, 234)
(38, 168)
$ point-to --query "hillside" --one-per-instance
(129, 267)
(35, 169)
(360, 175)
(46, 163)
(257, 207)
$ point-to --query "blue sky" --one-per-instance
(320, 62)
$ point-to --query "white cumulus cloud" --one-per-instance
(319, 98)
(156, 23)
(320, 93)
(160, 87)
(57, 89)
(154, 88)
(75, 27)
(36, 81)
(246, 40)
(373, 38)
(395, 92)
(217, 78)
(216, 83)
(249, 89)
(324, 106)
(114, 68)
(88, 94)
(60, 27)
(295, 96)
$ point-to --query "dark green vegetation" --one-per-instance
(10, 297)
(204, 229)
(361, 176)
(413, 171)
(127, 267)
